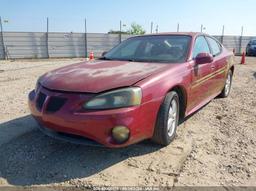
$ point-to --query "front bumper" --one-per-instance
(94, 126)
(75, 139)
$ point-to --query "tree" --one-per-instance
(137, 29)
(117, 32)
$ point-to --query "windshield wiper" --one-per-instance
(127, 59)
(118, 59)
(104, 58)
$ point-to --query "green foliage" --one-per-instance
(117, 32)
(136, 29)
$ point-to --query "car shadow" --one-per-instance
(32, 158)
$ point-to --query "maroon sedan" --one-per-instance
(141, 89)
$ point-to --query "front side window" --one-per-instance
(215, 46)
(201, 46)
(155, 48)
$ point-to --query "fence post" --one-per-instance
(85, 38)
(2, 39)
(222, 36)
(151, 27)
(241, 39)
(120, 33)
(47, 38)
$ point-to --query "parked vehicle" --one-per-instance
(251, 48)
(141, 89)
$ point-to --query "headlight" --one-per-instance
(115, 99)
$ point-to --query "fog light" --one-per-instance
(120, 134)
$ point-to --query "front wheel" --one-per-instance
(226, 90)
(167, 120)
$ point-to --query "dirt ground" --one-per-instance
(215, 146)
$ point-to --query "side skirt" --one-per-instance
(203, 103)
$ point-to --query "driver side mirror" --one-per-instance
(203, 58)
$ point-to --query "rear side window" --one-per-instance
(201, 46)
(215, 46)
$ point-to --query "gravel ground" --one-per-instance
(215, 146)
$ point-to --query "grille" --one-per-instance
(55, 103)
(40, 101)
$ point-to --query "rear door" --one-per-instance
(219, 64)
(202, 83)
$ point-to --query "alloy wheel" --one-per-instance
(172, 118)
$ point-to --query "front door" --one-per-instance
(202, 81)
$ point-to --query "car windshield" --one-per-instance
(161, 48)
(253, 42)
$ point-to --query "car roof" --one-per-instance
(176, 33)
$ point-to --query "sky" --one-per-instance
(104, 15)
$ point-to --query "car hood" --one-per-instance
(98, 76)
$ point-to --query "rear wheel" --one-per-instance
(226, 90)
(167, 120)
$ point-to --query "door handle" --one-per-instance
(212, 67)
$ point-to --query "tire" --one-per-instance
(167, 112)
(227, 87)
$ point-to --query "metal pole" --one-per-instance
(151, 29)
(120, 33)
(2, 38)
(47, 37)
(202, 28)
(241, 39)
(222, 35)
(242, 30)
(85, 38)
(178, 27)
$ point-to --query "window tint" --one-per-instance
(214, 46)
(201, 46)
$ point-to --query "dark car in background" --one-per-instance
(251, 48)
